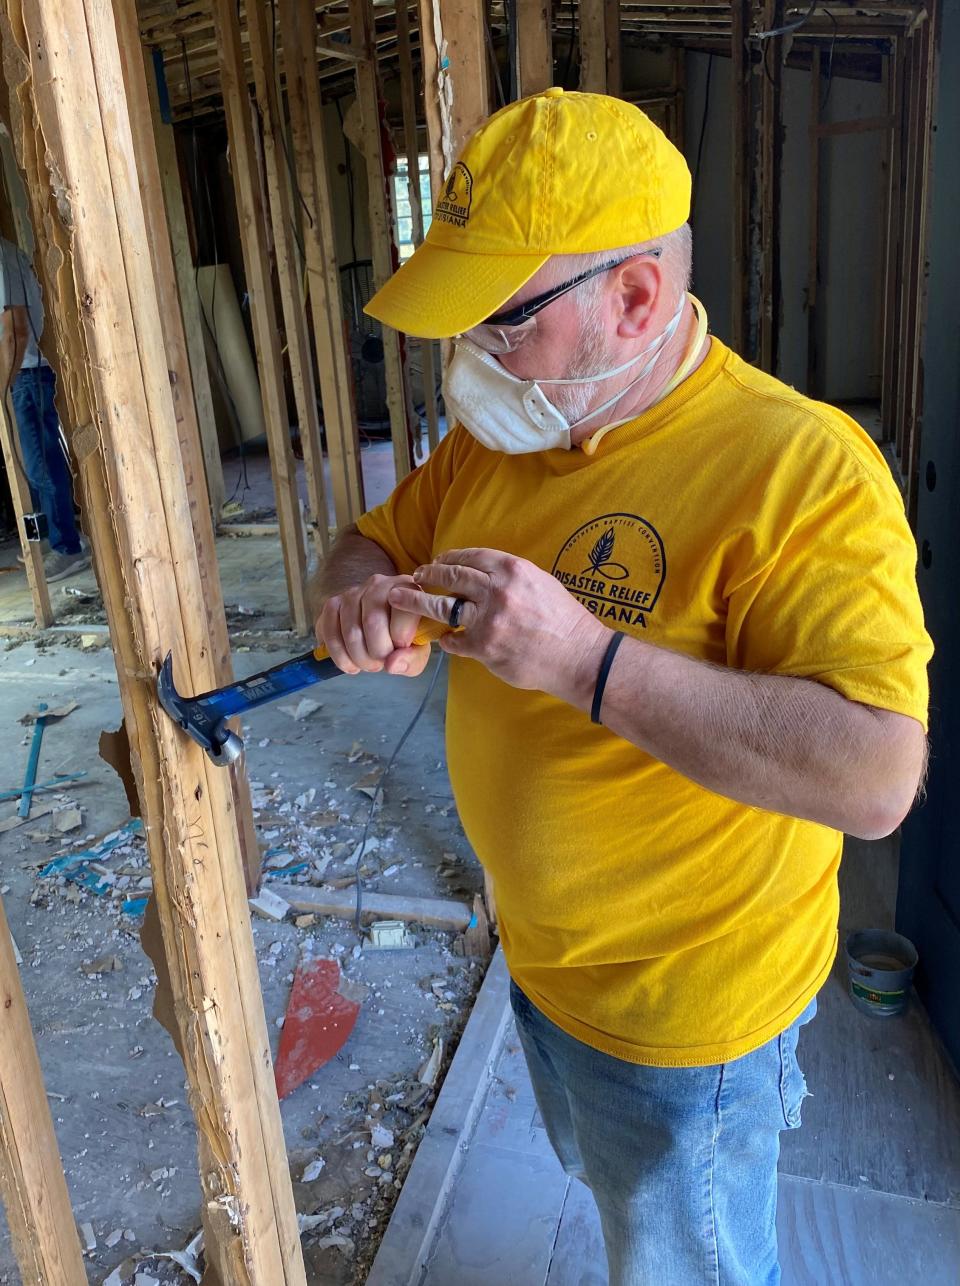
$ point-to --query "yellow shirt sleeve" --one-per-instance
(837, 602)
(404, 525)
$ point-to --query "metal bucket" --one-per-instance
(881, 966)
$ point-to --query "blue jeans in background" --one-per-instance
(44, 463)
(681, 1161)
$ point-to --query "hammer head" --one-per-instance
(206, 727)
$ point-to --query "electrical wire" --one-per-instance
(703, 131)
(382, 782)
(789, 27)
(283, 133)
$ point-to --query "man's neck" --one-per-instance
(646, 392)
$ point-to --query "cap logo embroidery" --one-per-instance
(454, 204)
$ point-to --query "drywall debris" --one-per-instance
(389, 935)
(430, 1067)
(68, 819)
(304, 708)
(269, 905)
(312, 1171)
(89, 1240)
(102, 964)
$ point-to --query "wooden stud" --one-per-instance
(611, 16)
(263, 58)
(428, 352)
(534, 47)
(191, 317)
(464, 32)
(72, 129)
(437, 95)
(298, 29)
(892, 251)
(23, 504)
(194, 458)
(742, 155)
(263, 313)
(771, 127)
(32, 1184)
(593, 46)
(381, 231)
(813, 253)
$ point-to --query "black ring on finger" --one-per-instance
(456, 612)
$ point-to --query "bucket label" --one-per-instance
(877, 997)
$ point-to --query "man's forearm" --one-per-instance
(783, 744)
(351, 561)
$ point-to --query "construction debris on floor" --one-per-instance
(365, 1024)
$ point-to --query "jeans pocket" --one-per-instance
(793, 1086)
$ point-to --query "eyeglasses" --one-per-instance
(504, 332)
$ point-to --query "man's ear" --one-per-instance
(638, 285)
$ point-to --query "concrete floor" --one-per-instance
(116, 1087)
(869, 1190)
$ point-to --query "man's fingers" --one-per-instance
(403, 626)
(333, 640)
(483, 560)
(455, 578)
(409, 661)
(376, 624)
(437, 606)
(352, 637)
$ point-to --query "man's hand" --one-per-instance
(517, 619)
(362, 630)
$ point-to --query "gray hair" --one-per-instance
(676, 258)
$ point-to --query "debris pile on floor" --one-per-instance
(76, 879)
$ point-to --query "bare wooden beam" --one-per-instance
(741, 155)
(463, 31)
(593, 46)
(408, 101)
(263, 57)
(892, 252)
(72, 130)
(611, 17)
(534, 47)
(263, 314)
(771, 129)
(381, 232)
(166, 149)
(813, 251)
(23, 504)
(181, 387)
(297, 28)
(437, 95)
(34, 1191)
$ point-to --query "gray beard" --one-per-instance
(590, 357)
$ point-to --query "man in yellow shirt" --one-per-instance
(690, 653)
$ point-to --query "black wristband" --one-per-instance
(605, 665)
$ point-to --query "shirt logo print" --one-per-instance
(615, 565)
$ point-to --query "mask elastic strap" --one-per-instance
(589, 445)
(665, 335)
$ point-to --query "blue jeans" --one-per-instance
(681, 1161)
(44, 463)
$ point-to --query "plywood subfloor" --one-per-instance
(869, 1190)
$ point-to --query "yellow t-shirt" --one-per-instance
(737, 522)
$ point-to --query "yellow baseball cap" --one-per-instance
(553, 174)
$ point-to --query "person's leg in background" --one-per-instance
(682, 1162)
(46, 468)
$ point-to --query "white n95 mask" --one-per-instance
(509, 414)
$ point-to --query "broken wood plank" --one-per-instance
(593, 47)
(441, 913)
(263, 59)
(71, 127)
(22, 504)
(32, 1183)
(263, 315)
(464, 30)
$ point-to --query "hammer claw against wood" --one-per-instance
(204, 717)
